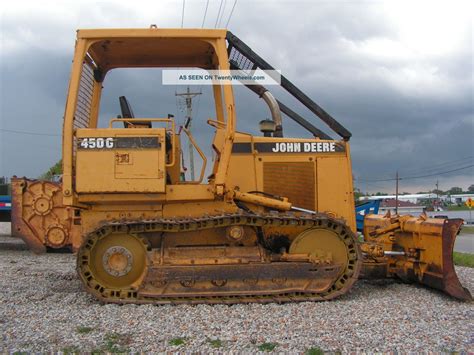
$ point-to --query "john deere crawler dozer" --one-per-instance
(274, 221)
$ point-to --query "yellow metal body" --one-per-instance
(127, 48)
(417, 249)
(40, 218)
(125, 169)
(318, 182)
(145, 235)
(116, 175)
(134, 178)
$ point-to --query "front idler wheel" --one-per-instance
(331, 243)
(113, 265)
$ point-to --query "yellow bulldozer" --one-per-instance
(274, 220)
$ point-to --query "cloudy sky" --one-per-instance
(397, 74)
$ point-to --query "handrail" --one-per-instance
(167, 120)
(203, 157)
(216, 124)
(131, 120)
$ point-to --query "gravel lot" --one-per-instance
(5, 228)
(43, 308)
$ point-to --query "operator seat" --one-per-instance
(127, 112)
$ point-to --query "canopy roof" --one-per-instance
(153, 47)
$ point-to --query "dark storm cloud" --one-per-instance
(394, 125)
(406, 109)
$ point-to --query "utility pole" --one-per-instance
(188, 96)
(396, 194)
(437, 195)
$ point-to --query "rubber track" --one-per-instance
(224, 220)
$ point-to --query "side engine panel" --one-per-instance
(312, 174)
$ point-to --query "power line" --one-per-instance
(443, 165)
(420, 176)
(218, 13)
(205, 13)
(182, 14)
(30, 133)
(231, 12)
(437, 166)
(438, 173)
(222, 13)
(370, 184)
(200, 86)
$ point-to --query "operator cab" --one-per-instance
(136, 155)
(127, 112)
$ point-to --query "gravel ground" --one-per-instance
(5, 228)
(43, 308)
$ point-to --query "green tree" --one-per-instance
(357, 194)
(455, 190)
(471, 188)
(56, 169)
(4, 186)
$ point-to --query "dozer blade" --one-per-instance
(415, 249)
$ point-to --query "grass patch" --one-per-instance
(267, 346)
(314, 351)
(177, 341)
(215, 343)
(114, 343)
(467, 230)
(463, 259)
(456, 208)
(84, 330)
(70, 350)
